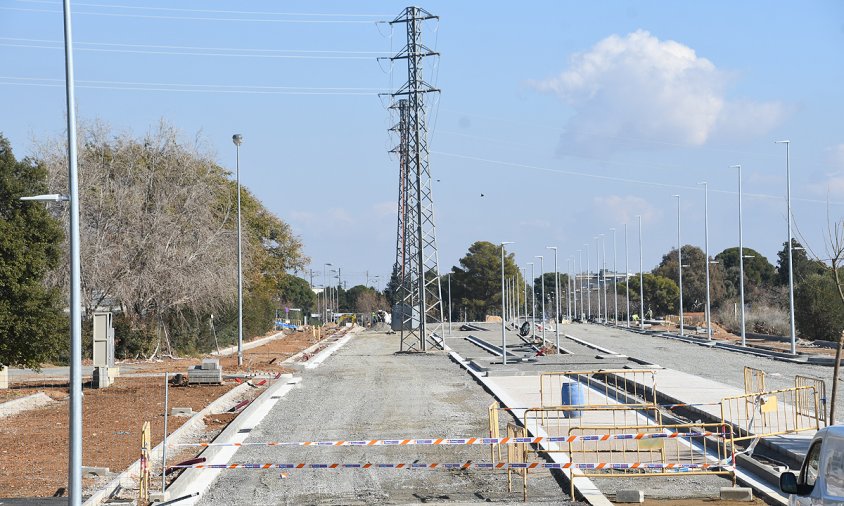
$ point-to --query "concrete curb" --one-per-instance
(21, 404)
(196, 482)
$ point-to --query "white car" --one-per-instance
(821, 479)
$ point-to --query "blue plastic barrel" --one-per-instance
(573, 395)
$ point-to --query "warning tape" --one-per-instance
(680, 467)
(475, 440)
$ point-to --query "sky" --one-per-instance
(570, 118)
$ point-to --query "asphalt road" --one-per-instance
(366, 391)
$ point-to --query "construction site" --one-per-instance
(614, 415)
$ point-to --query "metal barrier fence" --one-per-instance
(559, 420)
(805, 401)
(754, 380)
(494, 431)
(687, 449)
(517, 454)
(599, 388)
(771, 413)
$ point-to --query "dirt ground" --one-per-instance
(34, 444)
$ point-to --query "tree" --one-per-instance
(661, 294)
(694, 277)
(158, 235)
(476, 284)
(818, 313)
(295, 292)
(802, 265)
(758, 272)
(32, 326)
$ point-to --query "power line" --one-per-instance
(209, 11)
(187, 53)
(193, 18)
(198, 48)
(621, 179)
(196, 88)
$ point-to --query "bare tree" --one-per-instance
(157, 231)
(835, 244)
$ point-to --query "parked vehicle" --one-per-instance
(821, 478)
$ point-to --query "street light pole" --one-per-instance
(680, 264)
(74, 480)
(588, 285)
(790, 261)
(542, 292)
(325, 293)
(706, 246)
(604, 277)
(524, 277)
(627, 275)
(614, 280)
(503, 327)
(741, 256)
(238, 139)
(556, 298)
(449, 305)
(641, 279)
(533, 301)
(582, 306)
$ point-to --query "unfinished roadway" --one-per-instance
(365, 390)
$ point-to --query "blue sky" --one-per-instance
(569, 117)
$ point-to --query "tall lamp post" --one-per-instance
(680, 263)
(790, 262)
(573, 288)
(627, 275)
(556, 298)
(588, 284)
(449, 304)
(542, 292)
(604, 276)
(237, 139)
(641, 279)
(325, 293)
(706, 253)
(598, 273)
(74, 469)
(614, 280)
(741, 256)
(582, 306)
(524, 277)
(503, 327)
(533, 301)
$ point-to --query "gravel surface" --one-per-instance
(365, 390)
(720, 365)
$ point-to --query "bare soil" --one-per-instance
(34, 444)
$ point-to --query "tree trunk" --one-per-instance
(836, 370)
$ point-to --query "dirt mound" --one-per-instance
(380, 327)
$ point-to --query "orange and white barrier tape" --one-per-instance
(476, 440)
(679, 467)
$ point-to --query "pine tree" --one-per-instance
(32, 327)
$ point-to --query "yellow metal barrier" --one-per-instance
(599, 388)
(686, 449)
(559, 420)
(771, 413)
(517, 454)
(494, 431)
(143, 482)
(805, 402)
(754, 380)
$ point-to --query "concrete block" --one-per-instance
(92, 471)
(181, 412)
(628, 496)
(101, 378)
(4, 378)
(205, 376)
(736, 494)
(210, 364)
(159, 496)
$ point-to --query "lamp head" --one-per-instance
(237, 139)
(735, 167)
(782, 142)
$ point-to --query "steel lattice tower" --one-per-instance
(419, 290)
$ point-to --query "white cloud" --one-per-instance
(638, 87)
(623, 209)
